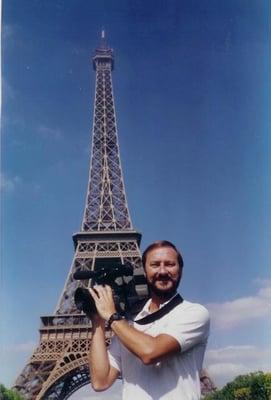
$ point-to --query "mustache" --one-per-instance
(162, 278)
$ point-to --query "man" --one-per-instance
(160, 360)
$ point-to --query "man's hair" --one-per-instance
(158, 244)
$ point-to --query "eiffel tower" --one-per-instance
(59, 365)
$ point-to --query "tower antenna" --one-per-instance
(103, 43)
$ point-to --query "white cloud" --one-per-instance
(8, 91)
(48, 132)
(7, 31)
(233, 313)
(224, 364)
(263, 282)
(221, 373)
(26, 347)
(13, 358)
(244, 353)
(9, 184)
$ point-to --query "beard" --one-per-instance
(166, 293)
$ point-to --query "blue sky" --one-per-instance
(192, 94)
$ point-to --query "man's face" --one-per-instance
(163, 272)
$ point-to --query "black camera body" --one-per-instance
(105, 275)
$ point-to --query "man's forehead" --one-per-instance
(162, 252)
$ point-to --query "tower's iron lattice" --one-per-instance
(59, 366)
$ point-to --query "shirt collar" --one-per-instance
(145, 310)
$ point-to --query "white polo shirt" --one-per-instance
(176, 377)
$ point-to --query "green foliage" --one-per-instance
(268, 384)
(258, 388)
(214, 396)
(242, 394)
(253, 386)
(8, 394)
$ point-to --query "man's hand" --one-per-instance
(104, 301)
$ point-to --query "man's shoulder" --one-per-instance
(192, 309)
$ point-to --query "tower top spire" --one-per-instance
(103, 53)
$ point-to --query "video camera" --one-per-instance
(105, 275)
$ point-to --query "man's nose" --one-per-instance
(162, 269)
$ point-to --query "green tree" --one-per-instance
(258, 387)
(9, 394)
(253, 386)
(268, 384)
(242, 394)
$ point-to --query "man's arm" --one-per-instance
(103, 375)
(147, 348)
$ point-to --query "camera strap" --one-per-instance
(161, 312)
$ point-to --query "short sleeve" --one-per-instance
(114, 355)
(189, 326)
